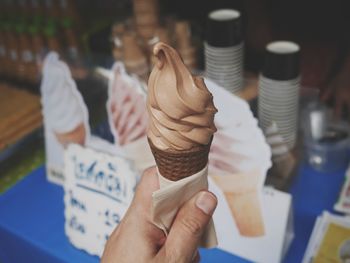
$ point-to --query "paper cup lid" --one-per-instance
(224, 28)
(281, 60)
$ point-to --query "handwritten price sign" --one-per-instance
(98, 191)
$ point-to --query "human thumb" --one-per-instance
(188, 227)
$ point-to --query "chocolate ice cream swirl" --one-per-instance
(180, 106)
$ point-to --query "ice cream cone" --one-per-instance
(77, 136)
(65, 114)
(241, 192)
(245, 208)
(179, 136)
(180, 133)
(175, 165)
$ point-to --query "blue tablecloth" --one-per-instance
(32, 222)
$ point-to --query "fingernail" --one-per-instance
(206, 202)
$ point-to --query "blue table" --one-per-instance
(32, 222)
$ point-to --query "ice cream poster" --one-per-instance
(127, 116)
(65, 114)
(238, 161)
(249, 219)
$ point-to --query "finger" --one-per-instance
(136, 229)
(147, 185)
(188, 227)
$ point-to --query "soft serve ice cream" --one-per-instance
(180, 106)
(62, 104)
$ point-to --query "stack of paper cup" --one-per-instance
(223, 49)
(146, 15)
(279, 86)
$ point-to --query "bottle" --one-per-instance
(52, 10)
(13, 48)
(23, 6)
(36, 10)
(2, 49)
(72, 43)
(38, 47)
(69, 10)
(51, 35)
(26, 58)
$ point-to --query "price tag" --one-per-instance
(98, 190)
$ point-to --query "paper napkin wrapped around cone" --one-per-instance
(172, 195)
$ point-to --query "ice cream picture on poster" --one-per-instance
(127, 116)
(65, 114)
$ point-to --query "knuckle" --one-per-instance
(149, 171)
(192, 226)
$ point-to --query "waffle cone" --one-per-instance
(175, 165)
(78, 136)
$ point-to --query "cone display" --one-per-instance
(245, 209)
(241, 191)
(176, 165)
(77, 136)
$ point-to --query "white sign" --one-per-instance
(98, 190)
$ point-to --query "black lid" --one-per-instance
(282, 60)
(224, 28)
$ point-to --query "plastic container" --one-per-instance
(330, 152)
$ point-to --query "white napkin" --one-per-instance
(172, 195)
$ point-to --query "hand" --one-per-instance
(339, 89)
(128, 109)
(137, 239)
